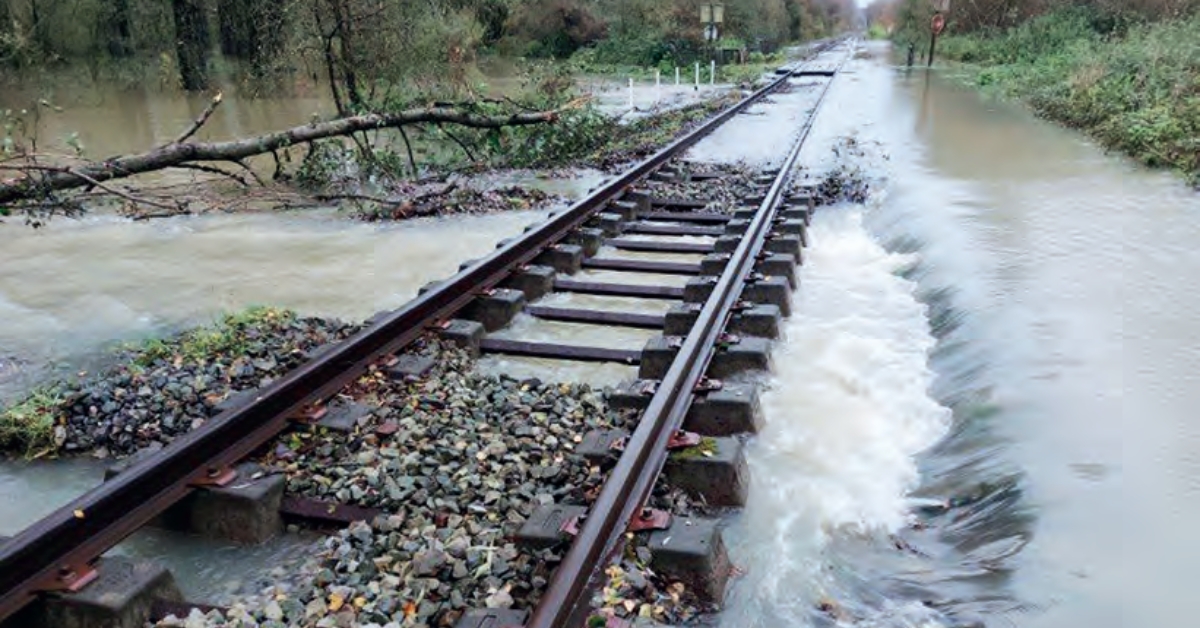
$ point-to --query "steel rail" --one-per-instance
(46, 554)
(633, 477)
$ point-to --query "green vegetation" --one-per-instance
(1128, 73)
(365, 46)
(593, 139)
(663, 33)
(232, 334)
(29, 425)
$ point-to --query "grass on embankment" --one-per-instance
(1135, 88)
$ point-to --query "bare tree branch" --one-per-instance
(248, 169)
(199, 122)
(460, 143)
(115, 192)
(214, 170)
(412, 161)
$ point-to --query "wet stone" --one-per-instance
(121, 597)
(698, 289)
(588, 239)
(565, 258)
(778, 265)
(715, 471)
(492, 618)
(455, 479)
(534, 281)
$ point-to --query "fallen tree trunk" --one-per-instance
(38, 181)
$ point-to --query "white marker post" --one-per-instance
(631, 93)
(697, 75)
(657, 83)
(712, 72)
(676, 76)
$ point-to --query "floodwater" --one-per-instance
(983, 413)
(73, 288)
(204, 569)
(108, 119)
(772, 122)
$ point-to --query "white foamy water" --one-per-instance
(847, 409)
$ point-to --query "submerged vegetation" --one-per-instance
(1127, 73)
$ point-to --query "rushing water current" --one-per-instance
(73, 287)
(982, 414)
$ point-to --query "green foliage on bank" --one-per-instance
(1134, 86)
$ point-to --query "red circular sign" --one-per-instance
(939, 24)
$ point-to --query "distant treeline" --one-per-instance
(909, 19)
(647, 32)
(394, 40)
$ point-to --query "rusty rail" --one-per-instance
(632, 479)
(55, 552)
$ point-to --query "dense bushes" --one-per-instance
(1134, 85)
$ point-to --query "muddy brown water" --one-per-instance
(1009, 321)
(108, 118)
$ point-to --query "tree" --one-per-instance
(36, 189)
(7, 44)
(252, 31)
(557, 28)
(118, 30)
(192, 43)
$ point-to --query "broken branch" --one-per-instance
(28, 186)
(199, 122)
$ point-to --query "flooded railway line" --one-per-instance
(689, 399)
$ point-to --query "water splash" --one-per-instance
(845, 414)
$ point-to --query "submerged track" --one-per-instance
(56, 553)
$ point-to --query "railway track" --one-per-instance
(742, 277)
